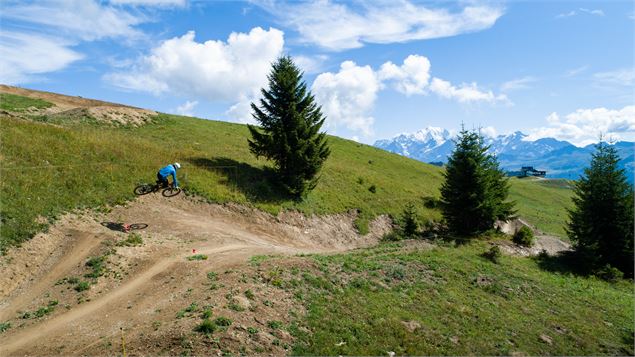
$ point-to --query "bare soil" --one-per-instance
(71, 107)
(143, 288)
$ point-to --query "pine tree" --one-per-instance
(409, 225)
(601, 220)
(290, 122)
(475, 190)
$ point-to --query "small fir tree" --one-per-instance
(289, 132)
(409, 225)
(601, 220)
(475, 190)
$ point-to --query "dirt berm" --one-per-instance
(136, 286)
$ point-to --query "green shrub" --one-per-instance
(393, 236)
(4, 326)
(81, 286)
(524, 236)
(372, 189)
(609, 273)
(97, 264)
(274, 325)
(252, 330)
(197, 257)
(494, 254)
(249, 294)
(222, 321)
(133, 240)
(207, 313)
(206, 327)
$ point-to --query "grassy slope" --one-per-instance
(457, 303)
(50, 169)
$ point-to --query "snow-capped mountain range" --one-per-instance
(559, 158)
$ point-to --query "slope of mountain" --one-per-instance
(560, 159)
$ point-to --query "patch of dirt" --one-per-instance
(73, 108)
(143, 288)
(543, 242)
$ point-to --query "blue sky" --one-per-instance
(550, 69)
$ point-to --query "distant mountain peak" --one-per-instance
(514, 150)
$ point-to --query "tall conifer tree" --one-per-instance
(475, 190)
(289, 132)
(601, 220)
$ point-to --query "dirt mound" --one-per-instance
(74, 108)
(132, 280)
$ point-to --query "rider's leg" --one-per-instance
(162, 181)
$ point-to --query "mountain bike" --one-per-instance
(146, 188)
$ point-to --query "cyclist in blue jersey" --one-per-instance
(170, 170)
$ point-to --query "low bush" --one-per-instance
(222, 321)
(610, 274)
(524, 236)
(494, 254)
(206, 327)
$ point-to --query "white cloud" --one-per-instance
(516, 84)
(23, 56)
(187, 108)
(310, 64)
(624, 77)
(241, 111)
(488, 131)
(348, 96)
(213, 70)
(410, 78)
(566, 14)
(575, 71)
(158, 3)
(594, 12)
(346, 25)
(465, 93)
(77, 19)
(584, 126)
(39, 36)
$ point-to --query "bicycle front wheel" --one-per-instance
(143, 189)
(171, 192)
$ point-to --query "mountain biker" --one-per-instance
(170, 170)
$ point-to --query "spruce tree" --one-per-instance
(289, 132)
(601, 220)
(409, 224)
(474, 193)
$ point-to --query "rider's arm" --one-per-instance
(176, 183)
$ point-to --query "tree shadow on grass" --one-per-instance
(257, 184)
(565, 262)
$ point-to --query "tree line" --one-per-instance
(474, 194)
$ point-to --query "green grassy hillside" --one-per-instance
(49, 166)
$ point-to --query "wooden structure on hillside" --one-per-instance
(527, 171)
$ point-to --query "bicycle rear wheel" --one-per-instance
(143, 189)
(171, 192)
(134, 226)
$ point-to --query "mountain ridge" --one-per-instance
(560, 158)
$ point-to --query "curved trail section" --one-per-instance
(177, 229)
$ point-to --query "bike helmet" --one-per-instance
(177, 165)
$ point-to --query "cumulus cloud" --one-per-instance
(410, 78)
(23, 56)
(465, 93)
(345, 25)
(213, 70)
(348, 96)
(187, 108)
(584, 126)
